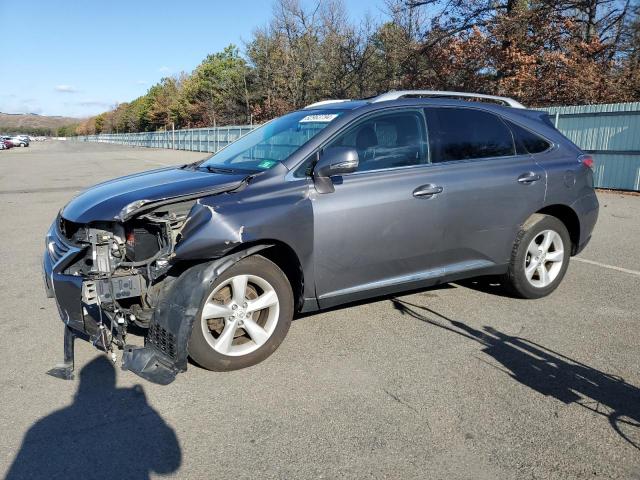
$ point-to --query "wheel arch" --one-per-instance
(166, 343)
(286, 259)
(569, 218)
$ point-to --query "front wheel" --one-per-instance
(540, 257)
(244, 317)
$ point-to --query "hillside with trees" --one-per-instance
(32, 124)
(541, 52)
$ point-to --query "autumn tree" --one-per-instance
(163, 105)
(217, 92)
(542, 52)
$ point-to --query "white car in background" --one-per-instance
(19, 141)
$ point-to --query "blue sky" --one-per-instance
(78, 58)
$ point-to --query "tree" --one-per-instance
(217, 90)
(98, 122)
(66, 130)
(542, 52)
(162, 107)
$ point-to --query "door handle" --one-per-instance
(427, 191)
(528, 178)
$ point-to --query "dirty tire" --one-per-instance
(200, 349)
(515, 280)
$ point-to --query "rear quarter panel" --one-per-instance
(570, 183)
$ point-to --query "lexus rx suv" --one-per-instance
(337, 202)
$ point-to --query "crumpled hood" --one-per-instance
(103, 202)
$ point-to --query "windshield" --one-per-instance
(272, 143)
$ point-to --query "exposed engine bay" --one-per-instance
(124, 268)
(139, 255)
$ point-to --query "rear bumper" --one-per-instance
(583, 245)
(587, 207)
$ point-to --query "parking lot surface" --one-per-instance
(451, 382)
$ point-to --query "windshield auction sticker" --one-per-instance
(326, 118)
(266, 164)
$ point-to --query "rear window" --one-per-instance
(465, 133)
(528, 142)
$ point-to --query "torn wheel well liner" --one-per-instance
(176, 312)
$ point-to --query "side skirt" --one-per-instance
(362, 293)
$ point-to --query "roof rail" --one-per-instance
(325, 102)
(394, 95)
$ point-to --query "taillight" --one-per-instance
(587, 161)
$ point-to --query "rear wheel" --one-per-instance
(244, 317)
(540, 257)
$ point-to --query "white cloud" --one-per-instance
(65, 89)
(141, 82)
(14, 104)
(85, 107)
(164, 69)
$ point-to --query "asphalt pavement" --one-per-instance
(455, 382)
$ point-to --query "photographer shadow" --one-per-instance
(106, 432)
(548, 372)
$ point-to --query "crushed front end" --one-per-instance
(108, 278)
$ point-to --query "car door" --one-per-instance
(382, 227)
(489, 188)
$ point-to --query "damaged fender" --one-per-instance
(165, 351)
(206, 233)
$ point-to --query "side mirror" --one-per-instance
(334, 161)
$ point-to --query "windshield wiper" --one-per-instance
(213, 169)
(192, 165)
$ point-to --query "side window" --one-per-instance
(528, 142)
(465, 133)
(386, 141)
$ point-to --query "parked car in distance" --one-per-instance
(337, 202)
(19, 141)
(7, 143)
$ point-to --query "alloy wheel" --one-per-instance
(240, 315)
(544, 258)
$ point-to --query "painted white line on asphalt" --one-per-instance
(610, 267)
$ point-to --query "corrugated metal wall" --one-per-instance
(610, 132)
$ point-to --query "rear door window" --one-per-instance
(528, 142)
(466, 134)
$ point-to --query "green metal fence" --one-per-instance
(194, 139)
(610, 132)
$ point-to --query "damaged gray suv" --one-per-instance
(337, 202)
